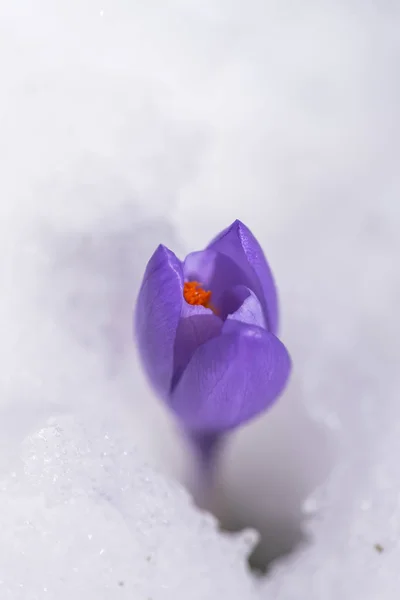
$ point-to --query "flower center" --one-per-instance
(195, 294)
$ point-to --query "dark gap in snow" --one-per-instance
(282, 541)
(266, 472)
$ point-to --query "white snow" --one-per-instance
(127, 124)
(82, 517)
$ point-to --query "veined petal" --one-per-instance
(231, 378)
(200, 266)
(250, 310)
(157, 315)
(238, 243)
(196, 326)
(220, 274)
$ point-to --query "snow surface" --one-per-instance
(127, 124)
(82, 517)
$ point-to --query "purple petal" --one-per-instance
(250, 310)
(200, 266)
(231, 378)
(238, 243)
(157, 315)
(196, 326)
(220, 274)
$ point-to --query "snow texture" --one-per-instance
(82, 517)
(127, 124)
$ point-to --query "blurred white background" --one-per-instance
(126, 124)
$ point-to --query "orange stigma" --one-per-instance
(195, 294)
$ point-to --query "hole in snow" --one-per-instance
(266, 473)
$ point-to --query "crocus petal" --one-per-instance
(219, 273)
(200, 266)
(158, 312)
(196, 326)
(238, 243)
(231, 378)
(250, 310)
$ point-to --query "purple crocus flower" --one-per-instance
(206, 331)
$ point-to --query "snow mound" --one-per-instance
(82, 517)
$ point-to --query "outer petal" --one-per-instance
(157, 315)
(231, 379)
(241, 246)
(196, 326)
